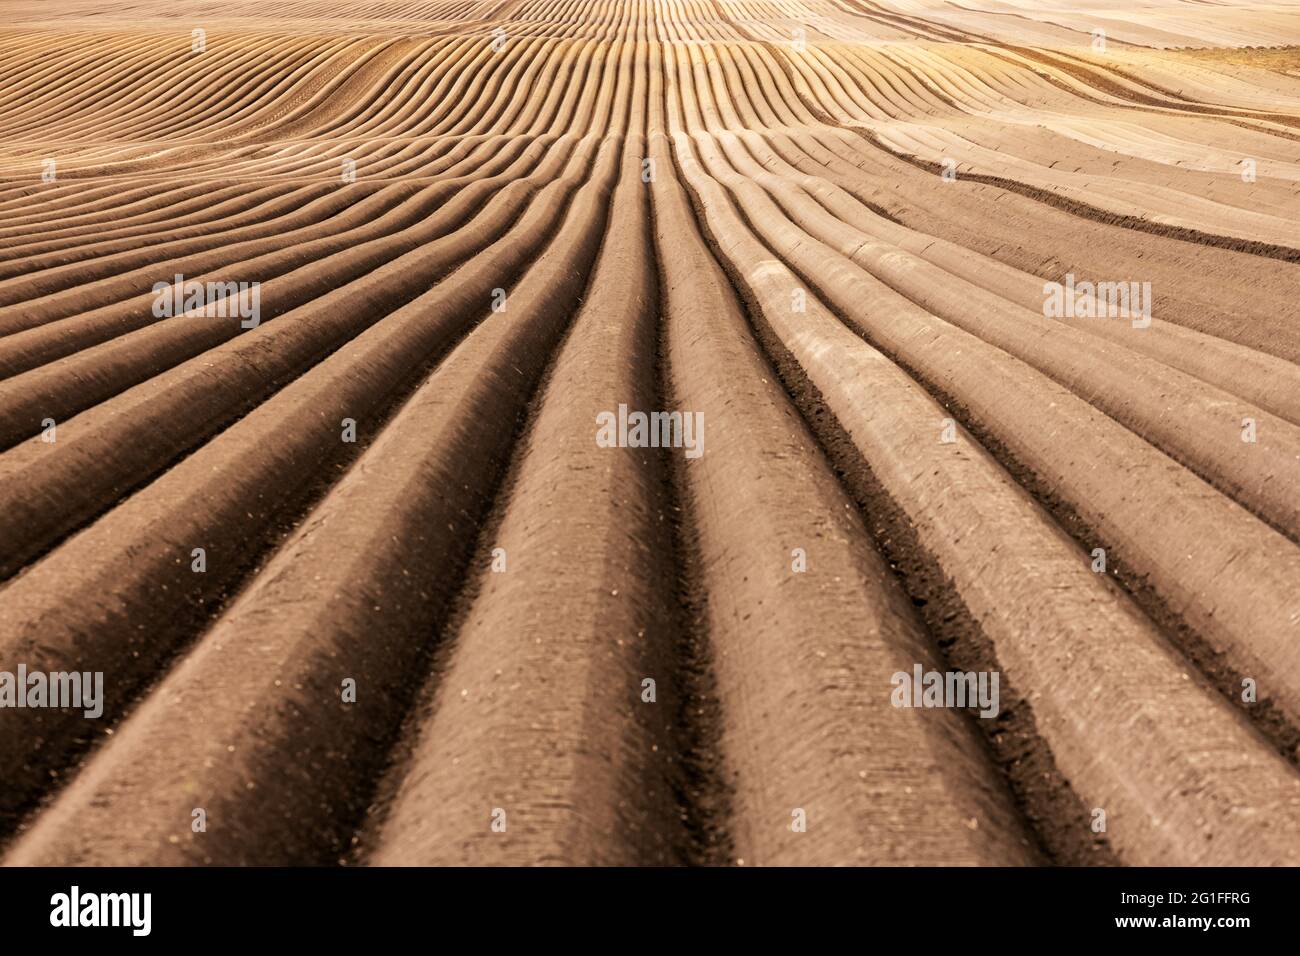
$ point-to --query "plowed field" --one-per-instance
(577, 431)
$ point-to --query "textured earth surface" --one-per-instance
(970, 329)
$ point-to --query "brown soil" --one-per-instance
(441, 622)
